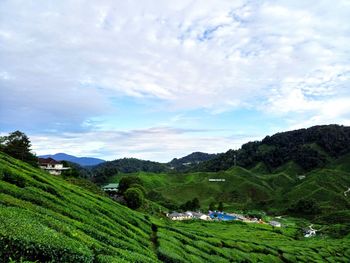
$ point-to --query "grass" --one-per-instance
(247, 189)
(44, 218)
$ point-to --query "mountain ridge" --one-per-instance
(83, 161)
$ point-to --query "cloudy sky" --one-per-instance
(160, 79)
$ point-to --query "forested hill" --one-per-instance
(309, 148)
(193, 158)
(103, 171)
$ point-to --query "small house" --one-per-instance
(275, 223)
(52, 166)
(110, 188)
(201, 216)
(179, 216)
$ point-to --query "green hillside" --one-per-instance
(309, 148)
(247, 189)
(44, 218)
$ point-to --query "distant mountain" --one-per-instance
(83, 161)
(191, 159)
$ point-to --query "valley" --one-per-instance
(268, 213)
(45, 218)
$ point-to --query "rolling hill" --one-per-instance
(309, 148)
(243, 189)
(44, 218)
(188, 161)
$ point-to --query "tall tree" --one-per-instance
(17, 145)
(212, 206)
(134, 198)
(220, 206)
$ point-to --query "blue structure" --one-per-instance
(221, 216)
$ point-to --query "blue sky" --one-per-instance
(160, 79)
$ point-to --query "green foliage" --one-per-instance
(48, 219)
(140, 187)
(56, 221)
(305, 207)
(134, 198)
(220, 206)
(245, 190)
(212, 206)
(192, 205)
(19, 230)
(187, 162)
(310, 148)
(126, 181)
(102, 172)
(17, 145)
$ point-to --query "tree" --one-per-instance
(127, 181)
(72, 172)
(17, 145)
(140, 187)
(220, 206)
(212, 206)
(195, 204)
(191, 205)
(305, 207)
(134, 198)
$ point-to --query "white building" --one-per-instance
(275, 223)
(200, 216)
(110, 188)
(52, 166)
(179, 216)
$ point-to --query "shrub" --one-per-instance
(127, 181)
(134, 198)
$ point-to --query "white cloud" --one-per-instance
(62, 62)
(158, 143)
(214, 51)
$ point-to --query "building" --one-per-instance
(52, 166)
(110, 188)
(179, 216)
(275, 223)
(201, 216)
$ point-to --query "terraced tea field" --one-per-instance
(44, 218)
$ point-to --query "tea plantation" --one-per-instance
(44, 218)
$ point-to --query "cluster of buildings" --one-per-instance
(222, 216)
(188, 215)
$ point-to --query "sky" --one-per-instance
(160, 79)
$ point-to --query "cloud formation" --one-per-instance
(161, 143)
(64, 63)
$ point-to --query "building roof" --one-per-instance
(49, 160)
(275, 223)
(176, 214)
(110, 186)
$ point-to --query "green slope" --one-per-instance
(247, 189)
(46, 219)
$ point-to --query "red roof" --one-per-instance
(49, 160)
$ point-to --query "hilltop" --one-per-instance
(45, 218)
(308, 148)
(194, 158)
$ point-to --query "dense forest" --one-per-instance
(190, 160)
(309, 148)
